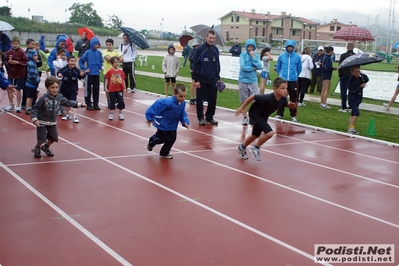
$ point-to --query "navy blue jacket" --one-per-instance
(206, 64)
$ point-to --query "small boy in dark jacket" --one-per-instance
(69, 75)
(356, 83)
(44, 116)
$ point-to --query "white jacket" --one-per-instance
(170, 66)
(307, 66)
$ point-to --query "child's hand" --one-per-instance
(36, 123)
(87, 70)
(149, 123)
(82, 73)
(186, 125)
(363, 85)
(59, 75)
(238, 112)
(291, 105)
(83, 105)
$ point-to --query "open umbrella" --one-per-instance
(136, 37)
(201, 30)
(354, 34)
(396, 46)
(184, 39)
(5, 26)
(361, 59)
(90, 33)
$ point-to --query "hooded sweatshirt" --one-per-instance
(33, 79)
(42, 43)
(289, 64)
(93, 57)
(53, 55)
(206, 64)
(170, 64)
(247, 64)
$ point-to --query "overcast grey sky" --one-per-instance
(175, 16)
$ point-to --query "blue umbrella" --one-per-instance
(136, 37)
(396, 46)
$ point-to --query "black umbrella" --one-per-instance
(136, 37)
(361, 59)
(201, 30)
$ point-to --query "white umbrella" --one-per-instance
(5, 26)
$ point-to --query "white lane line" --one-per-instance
(63, 214)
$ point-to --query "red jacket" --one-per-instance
(69, 45)
(17, 71)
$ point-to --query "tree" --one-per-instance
(114, 22)
(85, 14)
(5, 11)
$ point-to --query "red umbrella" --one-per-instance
(184, 39)
(354, 34)
(90, 33)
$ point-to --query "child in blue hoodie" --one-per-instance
(248, 77)
(165, 115)
(94, 60)
(32, 80)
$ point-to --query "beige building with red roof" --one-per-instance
(271, 28)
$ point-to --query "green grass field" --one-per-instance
(386, 125)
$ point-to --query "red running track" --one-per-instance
(103, 199)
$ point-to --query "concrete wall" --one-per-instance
(51, 38)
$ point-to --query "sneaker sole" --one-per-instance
(239, 152)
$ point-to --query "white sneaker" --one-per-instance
(134, 90)
(245, 121)
(121, 116)
(353, 131)
(205, 103)
(9, 108)
(67, 117)
(342, 110)
(301, 104)
(386, 106)
(76, 119)
(293, 119)
(111, 117)
(129, 90)
(278, 116)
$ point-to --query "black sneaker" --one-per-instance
(36, 151)
(47, 151)
(97, 107)
(212, 122)
(201, 122)
(192, 101)
(149, 148)
(89, 108)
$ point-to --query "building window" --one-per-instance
(256, 31)
(293, 33)
(282, 22)
(332, 28)
(310, 27)
(232, 27)
(263, 31)
(237, 27)
(310, 35)
(264, 22)
(256, 22)
(232, 18)
(338, 28)
(292, 23)
(237, 19)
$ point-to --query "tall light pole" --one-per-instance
(28, 13)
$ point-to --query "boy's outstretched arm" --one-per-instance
(244, 104)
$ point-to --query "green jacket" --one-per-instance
(44, 66)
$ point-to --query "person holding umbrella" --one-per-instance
(207, 77)
(356, 83)
(129, 54)
(344, 74)
(82, 45)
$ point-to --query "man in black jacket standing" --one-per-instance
(207, 76)
(344, 74)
